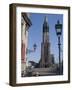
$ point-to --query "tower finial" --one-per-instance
(45, 19)
(45, 25)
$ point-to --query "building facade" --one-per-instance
(25, 25)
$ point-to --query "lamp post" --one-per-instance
(32, 50)
(28, 51)
(58, 28)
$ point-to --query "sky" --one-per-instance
(36, 32)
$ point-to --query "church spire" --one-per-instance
(45, 19)
(45, 25)
(45, 46)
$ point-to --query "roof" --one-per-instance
(27, 19)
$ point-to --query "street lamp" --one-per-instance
(34, 46)
(58, 28)
(31, 50)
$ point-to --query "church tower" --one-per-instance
(45, 46)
